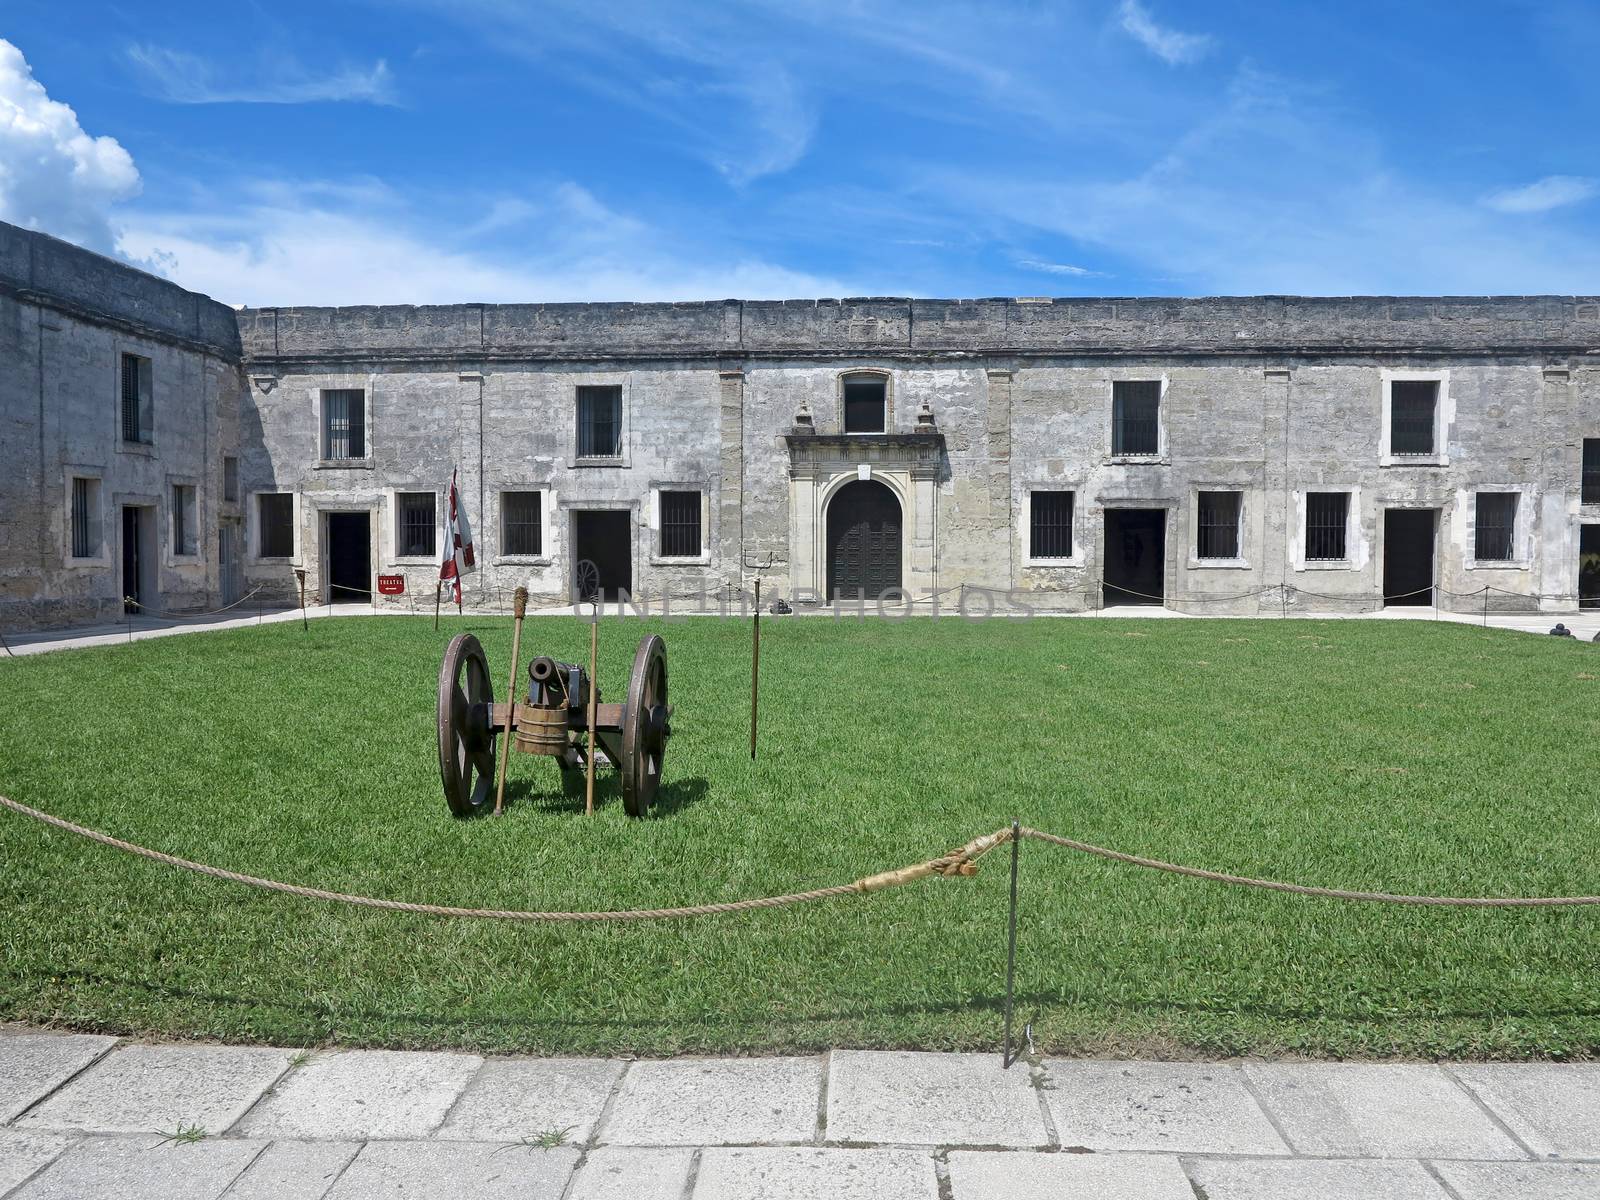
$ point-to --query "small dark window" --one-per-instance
(1218, 533)
(416, 525)
(344, 423)
(1494, 533)
(522, 521)
(600, 422)
(184, 521)
(276, 510)
(1411, 415)
(1050, 525)
(1326, 516)
(230, 479)
(866, 404)
(680, 524)
(1591, 470)
(135, 398)
(85, 518)
(1136, 417)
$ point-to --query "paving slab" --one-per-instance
(1191, 1108)
(294, 1171)
(1521, 1181)
(1030, 1175)
(154, 1089)
(32, 1065)
(1553, 1107)
(1377, 1110)
(136, 1168)
(807, 1172)
(514, 1098)
(931, 1099)
(454, 1170)
(633, 1173)
(360, 1094)
(21, 1154)
(709, 1102)
(1313, 1179)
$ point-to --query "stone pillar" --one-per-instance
(1001, 502)
(1556, 532)
(1276, 523)
(730, 498)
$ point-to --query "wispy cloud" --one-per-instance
(1169, 45)
(1542, 195)
(1054, 268)
(182, 78)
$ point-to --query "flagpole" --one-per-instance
(438, 592)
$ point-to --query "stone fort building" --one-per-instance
(1220, 454)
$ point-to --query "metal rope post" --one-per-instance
(1006, 1057)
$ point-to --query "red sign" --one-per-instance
(391, 585)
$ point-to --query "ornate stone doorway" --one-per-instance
(864, 541)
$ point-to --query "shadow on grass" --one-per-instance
(536, 794)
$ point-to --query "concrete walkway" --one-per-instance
(85, 1116)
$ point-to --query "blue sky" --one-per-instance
(444, 150)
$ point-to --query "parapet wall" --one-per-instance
(902, 327)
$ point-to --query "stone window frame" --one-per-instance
(337, 383)
(1521, 530)
(1444, 416)
(621, 379)
(547, 525)
(883, 373)
(1075, 560)
(658, 559)
(1162, 456)
(253, 525)
(97, 529)
(170, 554)
(1241, 560)
(1356, 547)
(389, 518)
(230, 502)
(146, 445)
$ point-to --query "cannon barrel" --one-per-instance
(542, 670)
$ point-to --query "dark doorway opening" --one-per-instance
(1136, 556)
(139, 558)
(863, 541)
(349, 558)
(1589, 566)
(1408, 549)
(602, 544)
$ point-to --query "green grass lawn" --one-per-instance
(1400, 756)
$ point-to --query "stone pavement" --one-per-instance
(87, 1116)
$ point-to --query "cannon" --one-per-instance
(553, 720)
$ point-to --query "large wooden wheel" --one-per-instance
(466, 746)
(645, 727)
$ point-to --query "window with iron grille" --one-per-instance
(1327, 514)
(866, 403)
(1050, 525)
(185, 541)
(230, 479)
(275, 511)
(680, 524)
(85, 518)
(135, 398)
(1591, 470)
(344, 423)
(1217, 535)
(600, 422)
(1494, 531)
(1136, 417)
(521, 523)
(416, 525)
(1412, 406)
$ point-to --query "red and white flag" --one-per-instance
(457, 544)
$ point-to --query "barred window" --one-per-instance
(1050, 525)
(415, 525)
(1136, 417)
(344, 423)
(1591, 470)
(600, 422)
(1412, 404)
(1327, 514)
(185, 532)
(680, 524)
(521, 523)
(1217, 535)
(230, 479)
(85, 518)
(135, 398)
(1494, 536)
(276, 517)
(866, 403)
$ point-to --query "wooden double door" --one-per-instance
(864, 541)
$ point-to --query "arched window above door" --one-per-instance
(865, 396)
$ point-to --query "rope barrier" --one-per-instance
(159, 614)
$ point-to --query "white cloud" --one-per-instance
(1553, 191)
(182, 78)
(54, 176)
(1166, 44)
(1051, 268)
